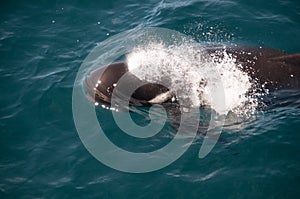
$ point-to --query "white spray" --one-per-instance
(192, 75)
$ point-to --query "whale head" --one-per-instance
(101, 83)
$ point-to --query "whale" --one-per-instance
(270, 67)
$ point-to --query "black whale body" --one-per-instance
(271, 67)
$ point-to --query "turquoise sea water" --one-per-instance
(42, 45)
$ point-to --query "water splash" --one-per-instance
(190, 72)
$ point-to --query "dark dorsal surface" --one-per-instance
(272, 67)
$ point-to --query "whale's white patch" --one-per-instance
(161, 98)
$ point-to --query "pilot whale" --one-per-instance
(270, 67)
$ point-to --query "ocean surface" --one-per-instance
(44, 43)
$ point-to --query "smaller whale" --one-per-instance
(269, 67)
